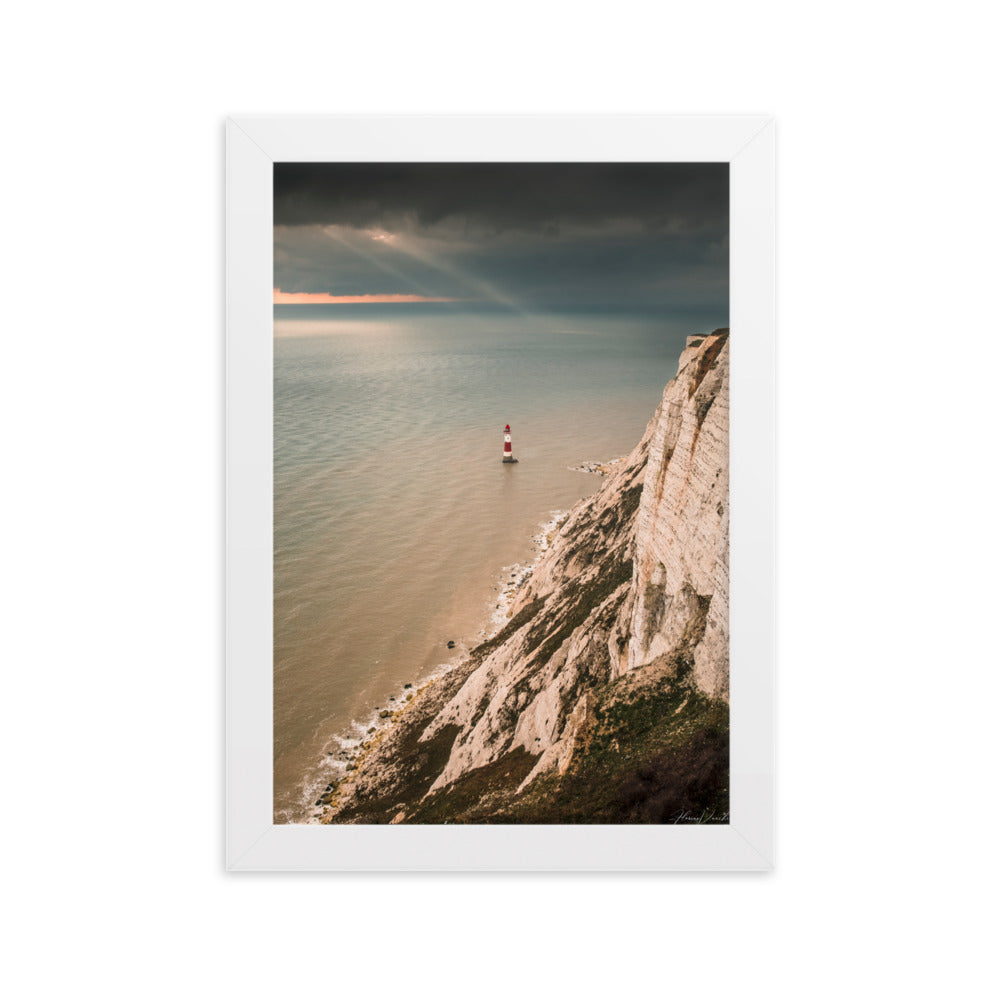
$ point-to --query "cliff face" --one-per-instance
(604, 698)
(681, 581)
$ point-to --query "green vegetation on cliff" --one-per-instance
(649, 754)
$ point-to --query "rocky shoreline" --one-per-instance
(597, 468)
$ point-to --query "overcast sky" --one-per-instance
(527, 236)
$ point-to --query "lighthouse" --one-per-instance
(507, 454)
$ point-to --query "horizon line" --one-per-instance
(281, 298)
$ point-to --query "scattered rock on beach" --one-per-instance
(384, 714)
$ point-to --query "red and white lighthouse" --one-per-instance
(508, 455)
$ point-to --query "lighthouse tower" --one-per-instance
(507, 454)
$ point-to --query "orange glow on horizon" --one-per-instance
(325, 298)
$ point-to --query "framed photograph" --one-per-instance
(500, 494)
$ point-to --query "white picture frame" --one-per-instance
(254, 144)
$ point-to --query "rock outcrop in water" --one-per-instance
(604, 698)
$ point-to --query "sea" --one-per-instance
(396, 524)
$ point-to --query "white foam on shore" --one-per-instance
(512, 578)
(343, 748)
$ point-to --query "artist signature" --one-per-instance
(705, 816)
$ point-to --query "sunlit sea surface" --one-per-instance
(394, 518)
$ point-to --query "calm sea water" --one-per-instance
(393, 515)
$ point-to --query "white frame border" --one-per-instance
(253, 145)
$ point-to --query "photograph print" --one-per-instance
(501, 493)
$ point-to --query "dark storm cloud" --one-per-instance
(538, 197)
(531, 236)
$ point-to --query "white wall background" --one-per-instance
(112, 366)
